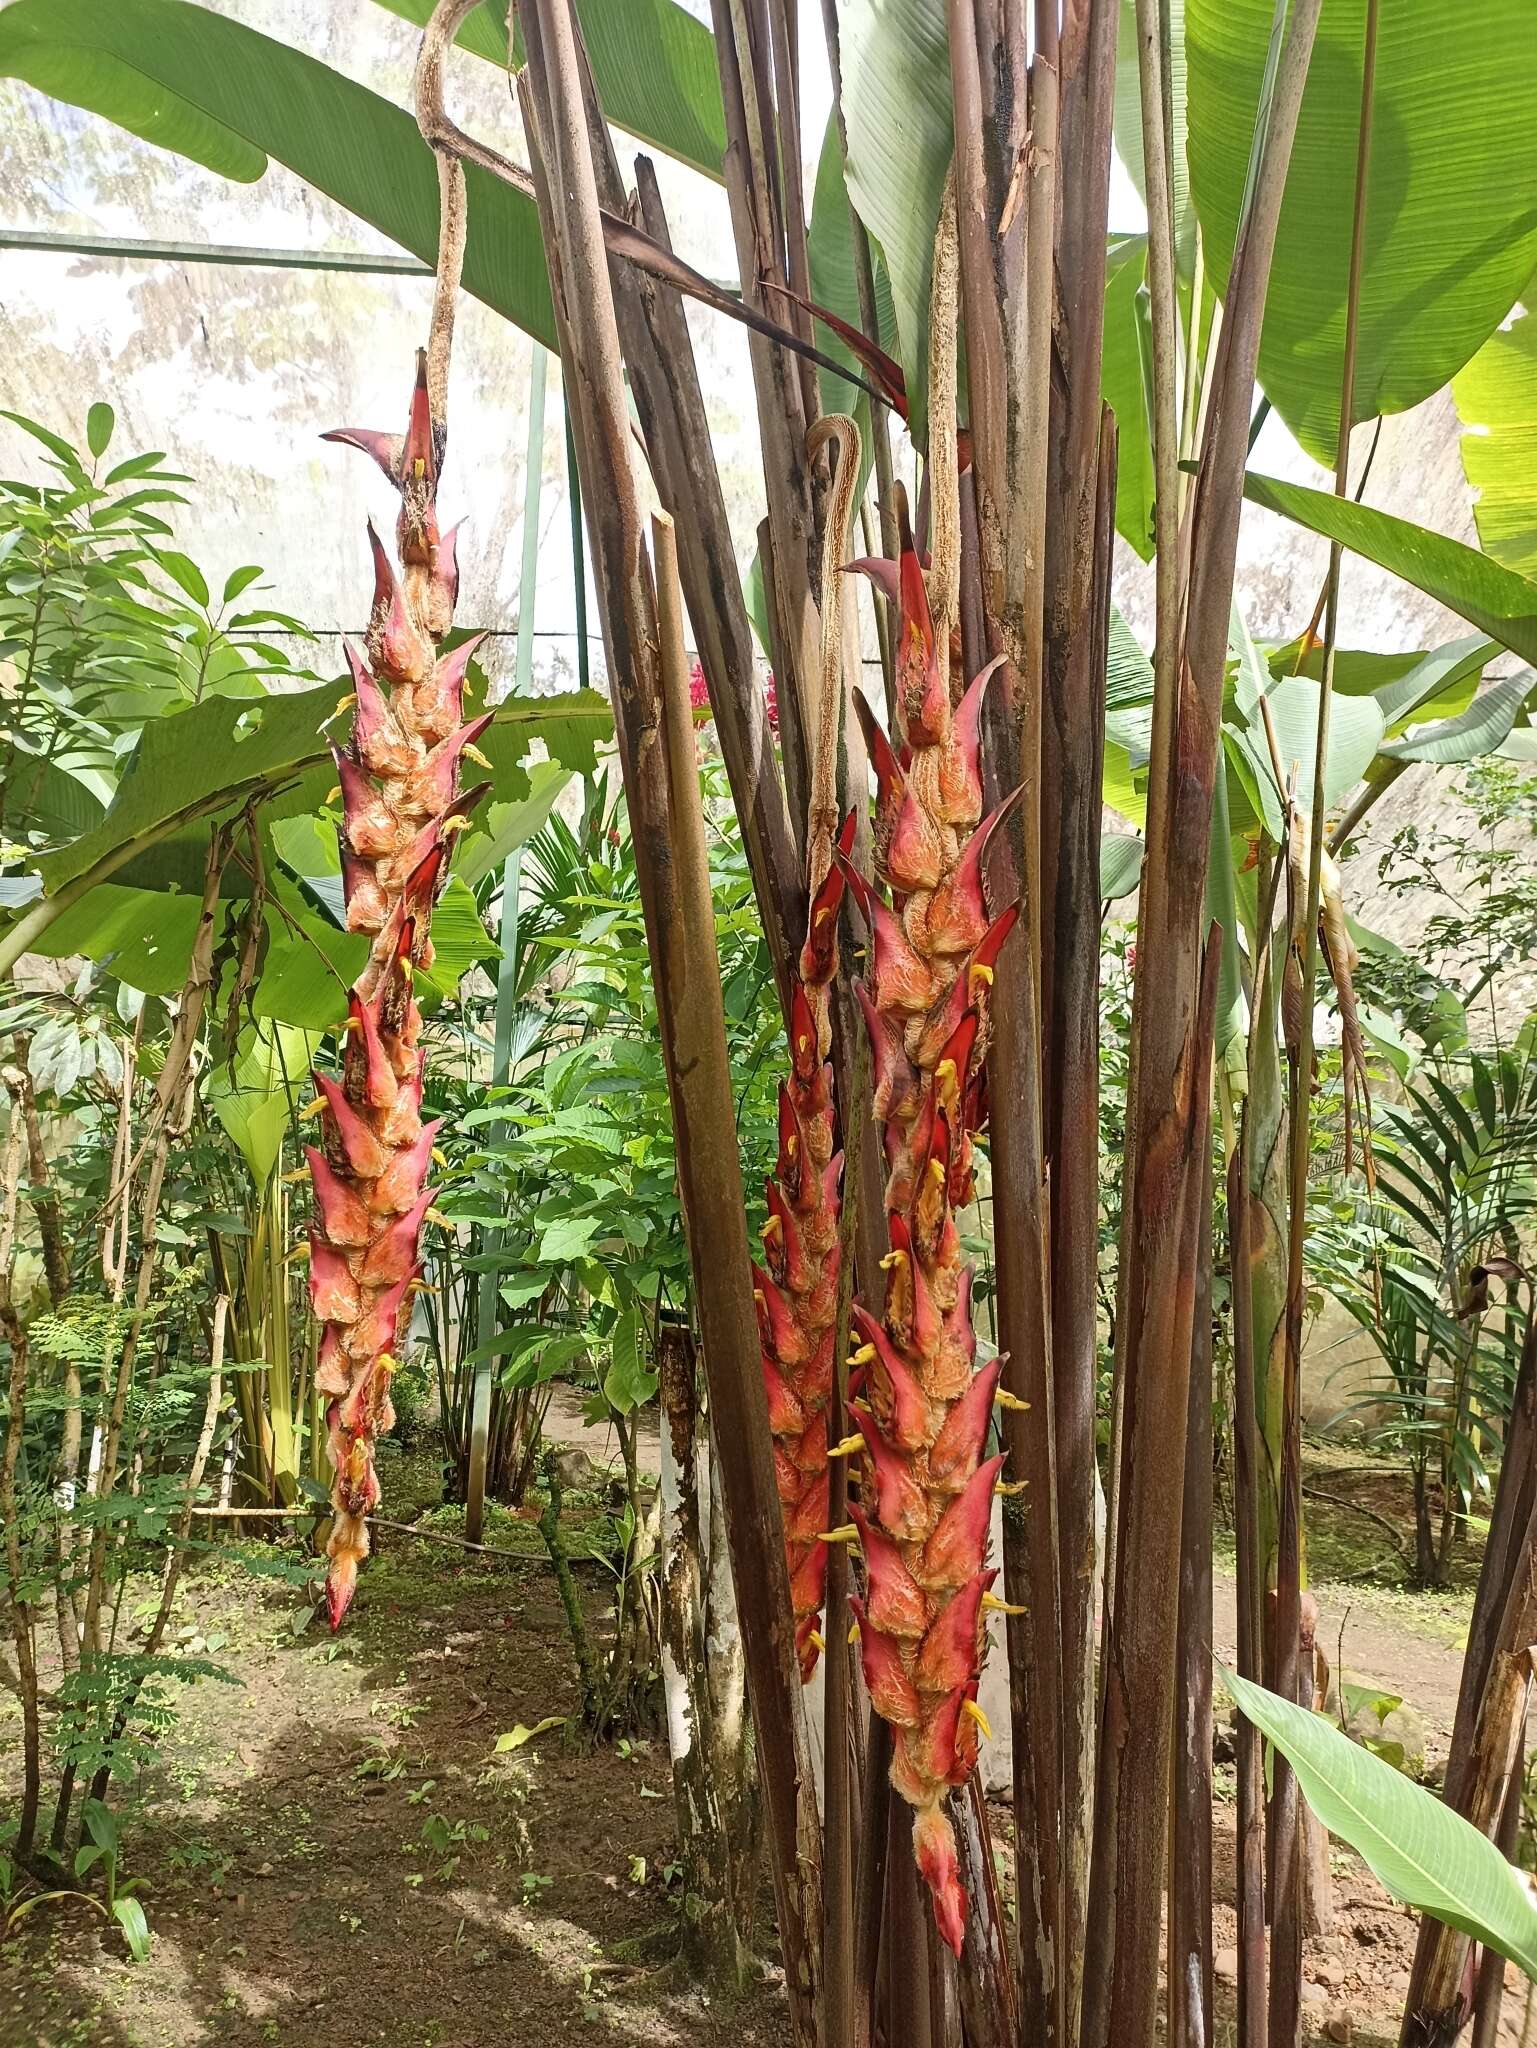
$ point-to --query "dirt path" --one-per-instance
(1424, 1668)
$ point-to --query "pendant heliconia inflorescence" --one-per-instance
(796, 1289)
(399, 786)
(925, 1411)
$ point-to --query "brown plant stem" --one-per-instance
(662, 789)
(22, 1623)
(1192, 2019)
(659, 355)
(752, 188)
(1166, 1106)
(1435, 1996)
(1252, 2021)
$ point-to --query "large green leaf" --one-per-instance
(143, 936)
(311, 962)
(1120, 864)
(206, 759)
(1489, 596)
(1451, 228)
(897, 110)
(1482, 729)
(252, 1096)
(1424, 1854)
(1355, 733)
(1125, 392)
(510, 825)
(652, 62)
(218, 92)
(830, 253)
(1496, 396)
(228, 751)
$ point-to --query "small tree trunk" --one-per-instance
(718, 1853)
(21, 1607)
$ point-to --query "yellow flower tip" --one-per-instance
(893, 1259)
(996, 1606)
(333, 794)
(773, 1228)
(970, 1707)
(937, 1171)
(352, 1024)
(299, 1173)
(802, 1043)
(816, 1638)
(1004, 1399)
(423, 1287)
(419, 468)
(821, 916)
(458, 823)
(443, 1222)
(863, 1355)
(853, 1631)
(847, 1447)
(387, 1363)
(313, 1108)
(299, 1254)
(844, 1533)
(757, 1295)
(792, 1145)
(1012, 1486)
(345, 703)
(439, 1155)
(981, 974)
(472, 753)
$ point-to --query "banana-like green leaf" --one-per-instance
(1451, 229)
(830, 253)
(142, 936)
(1355, 734)
(251, 1098)
(215, 91)
(232, 750)
(1425, 1855)
(507, 826)
(1500, 602)
(1482, 729)
(1496, 398)
(652, 62)
(1120, 864)
(310, 962)
(1125, 392)
(897, 109)
(50, 799)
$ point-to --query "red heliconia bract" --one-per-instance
(797, 1295)
(927, 1488)
(399, 777)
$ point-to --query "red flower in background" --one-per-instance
(699, 694)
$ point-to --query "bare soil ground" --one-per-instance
(335, 1849)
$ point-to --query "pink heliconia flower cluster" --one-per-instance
(399, 785)
(924, 1417)
(796, 1288)
(699, 693)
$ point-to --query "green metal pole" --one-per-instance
(578, 552)
(489, 1302)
